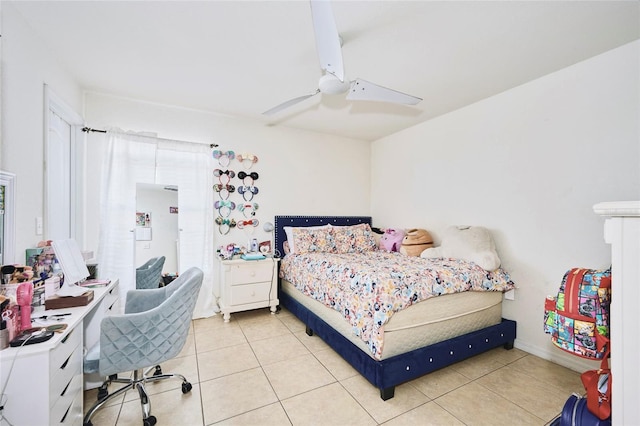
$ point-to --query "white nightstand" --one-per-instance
(248, 284)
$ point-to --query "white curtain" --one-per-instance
(133, 158)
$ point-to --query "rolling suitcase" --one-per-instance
(576, 413)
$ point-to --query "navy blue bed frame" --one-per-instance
(388, 373)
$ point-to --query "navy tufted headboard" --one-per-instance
(282, 221)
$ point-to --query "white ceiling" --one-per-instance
(243, 57)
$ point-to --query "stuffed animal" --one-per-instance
(415, 241)
(471, 243)
(391, 240)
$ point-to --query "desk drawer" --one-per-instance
(63, 350)
(67, 408)
(112, 301)
(250, 293)
(252, 273)
(61, 374)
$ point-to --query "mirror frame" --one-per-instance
(8, 180)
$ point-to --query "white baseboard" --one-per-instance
(559, 357)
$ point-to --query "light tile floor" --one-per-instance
(262, 369)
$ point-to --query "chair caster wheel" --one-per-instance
(87, 423)
(102, 392)
(186, 387)
(158, 371)
(149, 421)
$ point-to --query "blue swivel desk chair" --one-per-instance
(148, 275)
(153, 329)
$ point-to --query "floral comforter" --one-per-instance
(369, 288)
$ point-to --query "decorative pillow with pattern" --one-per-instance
(313, 240)
(354, 239)
(288, 230)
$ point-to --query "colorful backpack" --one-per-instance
(578, 318)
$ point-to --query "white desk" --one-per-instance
(46, 384)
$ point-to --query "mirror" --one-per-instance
(7, 217)
(157, 232)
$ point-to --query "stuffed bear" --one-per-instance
(391, 240)
(415, 242)
(471, 243)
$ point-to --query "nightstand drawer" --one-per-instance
(252, 273)
(250, 293)
(247, 285)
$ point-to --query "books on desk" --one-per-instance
(95, 283)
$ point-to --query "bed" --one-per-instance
(422, 338)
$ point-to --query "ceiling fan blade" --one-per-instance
(362, 90)
(289, 103)
(327, 38)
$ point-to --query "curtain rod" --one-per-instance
(89, 129)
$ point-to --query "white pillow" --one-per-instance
(471, 243)
(288, 230)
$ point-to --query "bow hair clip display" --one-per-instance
(224, 190)
(251, 222)
(248, 209)
(247, 160)
(224, 207)
(224, 176)
(247, 192)
(223, 157)
(245, 176)
(225, 225)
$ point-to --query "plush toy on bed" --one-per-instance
(391, 240)
(472, 243)
(415, 241)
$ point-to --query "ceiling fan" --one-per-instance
(329, 47)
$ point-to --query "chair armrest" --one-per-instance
(144, 300)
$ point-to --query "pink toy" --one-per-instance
(24, 294)
(391, 240)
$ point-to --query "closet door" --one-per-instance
(58, 189)
(63, 192)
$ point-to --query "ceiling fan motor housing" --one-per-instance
(331, 85)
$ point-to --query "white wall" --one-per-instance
(529, 164)
(26, 66)
(299, 172)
